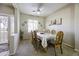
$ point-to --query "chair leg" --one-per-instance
(61, 49)
(55, 51)
(37, 45)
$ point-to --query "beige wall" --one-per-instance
(7, 10)
(67, 15)
(77, 27)
(24, 28)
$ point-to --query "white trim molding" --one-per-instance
(76, 50)
(68, 45)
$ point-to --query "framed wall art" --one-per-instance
(56, 22)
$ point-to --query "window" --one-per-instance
(32, 25)
(3, 29)
(3, 23)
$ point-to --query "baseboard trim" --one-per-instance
(77, 50)
(68, 45)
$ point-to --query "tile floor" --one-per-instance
(26, 49)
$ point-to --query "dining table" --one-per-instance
(44, 37)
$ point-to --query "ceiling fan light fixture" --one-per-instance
(38, 12)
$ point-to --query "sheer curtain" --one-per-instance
(32, 25)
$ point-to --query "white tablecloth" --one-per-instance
(45, 37)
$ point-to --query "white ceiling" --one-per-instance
(45, 8)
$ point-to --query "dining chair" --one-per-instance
(35, 41)
(47, 31)
(53, 31)
(58, 41)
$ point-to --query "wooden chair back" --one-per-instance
(34, 35)
(47, 31)
(34, 40)
(53, 31)
(59, 38)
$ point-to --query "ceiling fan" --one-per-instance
(38, 8)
